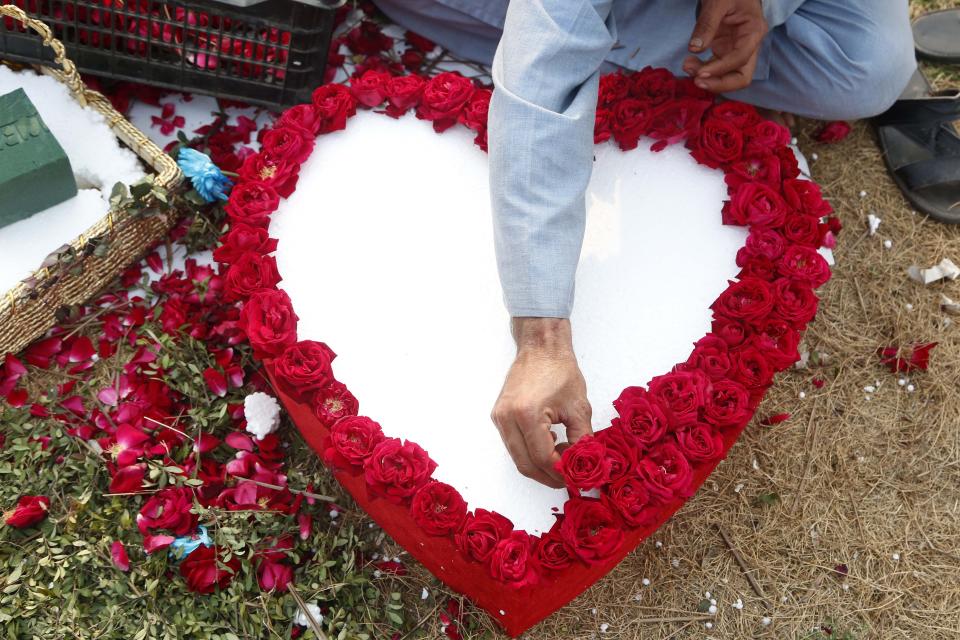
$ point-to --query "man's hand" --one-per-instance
(543, 387)
(733, 30)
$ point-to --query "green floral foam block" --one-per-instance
(35, 172)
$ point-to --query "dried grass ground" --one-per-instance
(872, 483)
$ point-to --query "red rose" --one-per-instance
(552, 553)
(602, 125)
(438, 508)
(675, 120)
(291, 143)
(789, 166)
(730, 331)
(403, 93)
(739, 114)
(370, 88)
(305, 117)
(681, 394)
(751, 368)
(250, 273)
(590, 529)
(766, 137)
(622, 450)
(803, 230)
(513, 560)
(630, 497)
(613, 87)
(419, 42)
(700, 443)
(719, 144)
(631, 119)
(796, 301)
(252, 203)
(666, 473)
(727, 404)
(763, 169)
(756, 204)
(334, 104)
(806, 265)
(168, 509)
(474, 114)
(585, 465)
(640, 415)
(756, 267)
(29, 511)
(778, 341)
(834, 131)
(444, 96)
(710, 356)
(269, 322)
(272, 170)
(481, 532)
(351, 441)
(204, 570)
(367, 38)
(412, 60)
(805, 196)
(653, 86)
(334, 402)
(304, 367)
(241, 239)
(397, 469)
(750, 300)
(764, 242)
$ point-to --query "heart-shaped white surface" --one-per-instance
(386, 249)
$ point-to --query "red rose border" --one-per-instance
(666, 438)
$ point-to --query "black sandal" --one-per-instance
(936, 36)
(922, 149)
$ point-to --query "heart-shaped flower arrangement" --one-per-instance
(627, 479)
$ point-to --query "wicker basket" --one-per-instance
(27, 311)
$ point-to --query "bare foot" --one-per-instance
(780, 117)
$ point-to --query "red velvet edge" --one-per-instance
(522, 607)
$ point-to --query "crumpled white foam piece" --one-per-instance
(262, 413)
(949, 306)
(944, 270)
(873, 222)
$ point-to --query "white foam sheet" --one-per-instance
(386, 249)
(98, 162)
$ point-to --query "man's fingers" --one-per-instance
(577, 422)
(708, 23)
(736, 79)
(540, 446)
(517, 446)
(692, 64)
(736, 58)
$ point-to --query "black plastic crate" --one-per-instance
(272, 54)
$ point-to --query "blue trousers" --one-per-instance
(823, 59)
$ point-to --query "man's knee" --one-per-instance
(871, 84)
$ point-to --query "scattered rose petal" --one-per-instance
(873, 223)
(775, 419)
(216, 382)
(917, 360)
(119, 554)
(833, 132)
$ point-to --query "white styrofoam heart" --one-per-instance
(386, 250)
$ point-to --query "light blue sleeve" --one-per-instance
(777, 11)
(546, 75)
